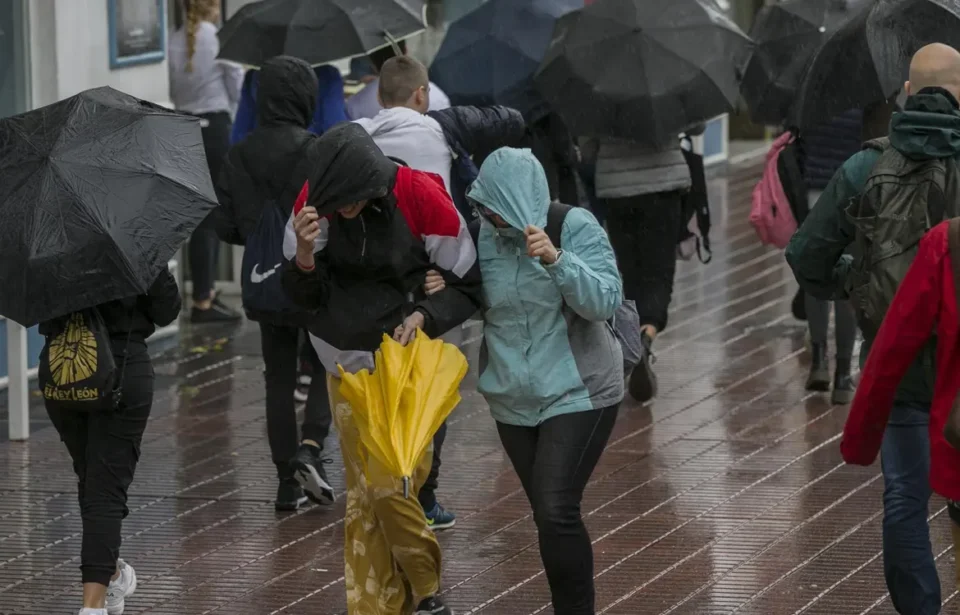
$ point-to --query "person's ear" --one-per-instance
(906, 88)
(380, 99)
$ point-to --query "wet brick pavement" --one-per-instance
(726, 495)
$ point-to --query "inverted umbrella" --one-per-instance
(400, 405)
(867, 59)
(642, 69)
(786, 37)
(489, 56)
(316, 31)
(97, 193)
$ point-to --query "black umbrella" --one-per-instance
(786, 37)
(642, 69)
(97, 193)
(868, 58)
(317, 31)
(489, 56)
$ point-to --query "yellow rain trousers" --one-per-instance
(391, 558)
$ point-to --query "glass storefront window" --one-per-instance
(14, 67)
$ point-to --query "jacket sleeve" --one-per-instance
(233, 184)
(246, 118)
(308, 289)
(162, 302)
(587, 272)
(449, 247)
(481, 130)
(905, 329)
(816, 251)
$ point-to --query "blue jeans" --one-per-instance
(908, 564)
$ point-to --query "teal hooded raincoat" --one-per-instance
(548, 348)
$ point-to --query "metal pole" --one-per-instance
(17, 390)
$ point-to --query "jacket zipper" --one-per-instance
(363, 246)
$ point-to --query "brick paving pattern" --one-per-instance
(726, 495)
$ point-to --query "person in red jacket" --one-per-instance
(926, 302)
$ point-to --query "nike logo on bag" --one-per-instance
(257, 277)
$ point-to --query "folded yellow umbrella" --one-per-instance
(400, 406)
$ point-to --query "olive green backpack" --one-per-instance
(901, 201)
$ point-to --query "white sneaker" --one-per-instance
(121, 588)
(89, 611)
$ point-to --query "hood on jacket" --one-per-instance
(395, 118)
(513, 184)
(286, 92)
(345, 167)
(928, 127)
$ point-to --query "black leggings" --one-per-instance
(105, 447)
(554, 462)
(204, 247)
(643, 231)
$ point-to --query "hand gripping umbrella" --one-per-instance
(642, 70)
(97, 193)
(867, 59)
(317, 31)
(489, 56)
(400, 406)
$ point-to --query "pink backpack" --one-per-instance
(770, 214)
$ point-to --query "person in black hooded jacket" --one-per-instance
(360, 248)
(105, 445)
(260, 172)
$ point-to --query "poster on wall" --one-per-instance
(137, 32)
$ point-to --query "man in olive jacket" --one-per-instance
(928, 128)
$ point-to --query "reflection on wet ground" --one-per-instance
(726, 495)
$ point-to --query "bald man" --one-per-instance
(924, 136)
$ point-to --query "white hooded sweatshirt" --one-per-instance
(412, 137)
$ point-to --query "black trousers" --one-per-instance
(105, 448)
(281, 354)
(428, 491)
(643, 231)
(204, 247)
(554, 462)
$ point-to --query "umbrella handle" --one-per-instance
(406, 487)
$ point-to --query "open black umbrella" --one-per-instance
(97, 193)
(316, 31)
(489, 56)
(642, 69)
(786, 37)
(867, 59)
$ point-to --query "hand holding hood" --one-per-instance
(513, 184)
(286, 92)
(345, 167)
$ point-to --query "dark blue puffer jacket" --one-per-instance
(827, 146)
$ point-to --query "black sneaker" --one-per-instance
(843, 387)
(643, 382)
(217, 312)
(432, 606)
(290, 495)
(310, 474)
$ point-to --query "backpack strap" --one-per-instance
(555, 218)
(880, 145)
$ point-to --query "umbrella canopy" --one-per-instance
(786, 37)
(489, 56)
(642, 69)
(317, 31)
(867, 59)
(401, 405)
(97, 193)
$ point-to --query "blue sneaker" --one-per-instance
(440, 519)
